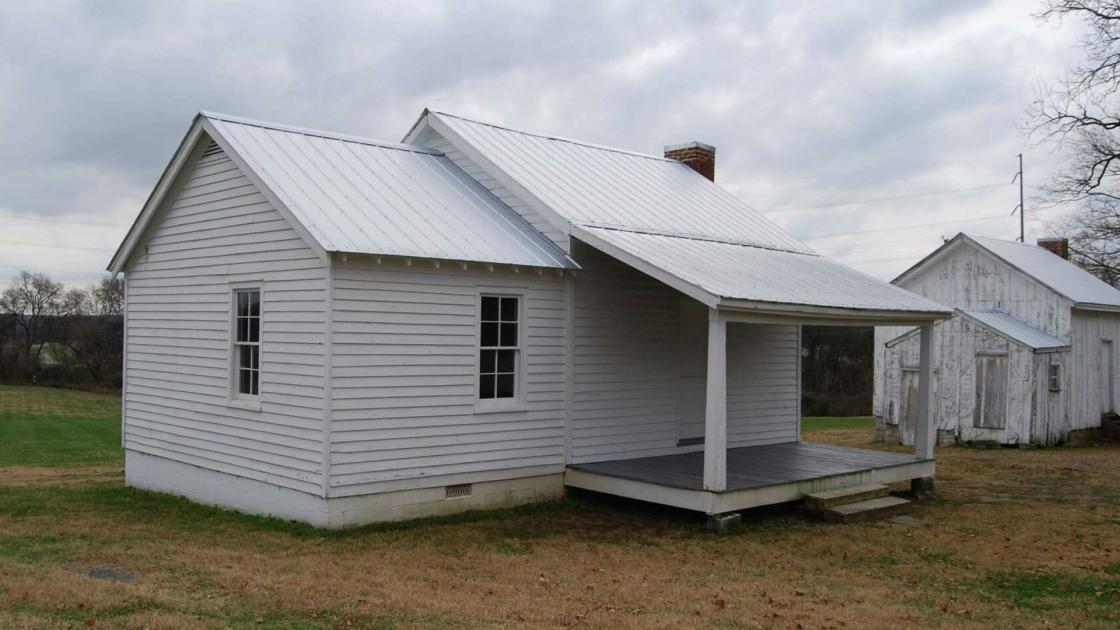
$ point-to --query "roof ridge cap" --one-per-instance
(318, 133)
(590, 145)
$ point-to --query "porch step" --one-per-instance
(841, 496)
(880, 507)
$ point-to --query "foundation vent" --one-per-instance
(457, 490)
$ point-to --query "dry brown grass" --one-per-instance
(1017, 538)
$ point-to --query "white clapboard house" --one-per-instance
(339, 330)
(1027, 358)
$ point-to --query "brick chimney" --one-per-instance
(698, 156)
(1058, 246)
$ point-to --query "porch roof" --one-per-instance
(743, 277)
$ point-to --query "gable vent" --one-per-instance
(457, 490)
(212, 149)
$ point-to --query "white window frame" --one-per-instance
(517, 402)
(236, 398)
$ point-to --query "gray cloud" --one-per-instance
(809, 103)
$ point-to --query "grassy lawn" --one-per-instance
(1016, 539)
(54, 427)
(811, 424)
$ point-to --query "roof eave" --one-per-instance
(830, 315)
(170, 172)
(1102, 308)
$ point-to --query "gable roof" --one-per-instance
(1052, 271)
(355, 195)
(595, 186)
(668, 221)
(1007, 326)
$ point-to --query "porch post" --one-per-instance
(715, 409)
(925, 431)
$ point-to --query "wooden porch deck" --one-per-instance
(756, 475)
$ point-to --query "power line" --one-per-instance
(50, 246)
(904, 227)
(61, 222)
(894, 198)
(56, 272)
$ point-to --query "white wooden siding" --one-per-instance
(627, 328)
(404, 374)
(433, 140)
(1034, 413)
(628, 368)
(1089, 330)
(971, 279)
(763, 400)
(217, 230)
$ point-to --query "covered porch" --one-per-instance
(716, 479)
(747, 453)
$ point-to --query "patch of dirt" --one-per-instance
(22, 476)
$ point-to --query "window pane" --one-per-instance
(505, 386)
(509, 309)
(245, 382)
(256, 383)
(489, 334)
(242, 329)
(505, 360)
(254, 329)
(242, 303)
(246, 359)
(489, 309)
(255, 353)
(254, 303)
(509, 334)
(486, 362)
(486, 386)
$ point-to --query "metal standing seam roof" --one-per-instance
(1016, 330)
(672, 218)
(757, 274)
(1053, 271)
(357, 195)
(596, 186)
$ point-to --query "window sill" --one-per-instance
(506, 406)
(248, 405)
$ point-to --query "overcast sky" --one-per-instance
(834, 118)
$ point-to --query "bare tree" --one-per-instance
(92, 328)
(30, 301)
(1082, 112)
(108, 296)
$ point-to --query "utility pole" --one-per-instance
(1021, 208)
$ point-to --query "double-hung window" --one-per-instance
(247, 343)
(499, 347)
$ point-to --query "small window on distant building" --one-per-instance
(1055, 377)
(498, 347)
(247, 342)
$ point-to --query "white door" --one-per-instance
(990, 411)
(908, 413)
(693, 392)
(1108, 383)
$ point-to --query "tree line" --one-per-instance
(51, 335)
